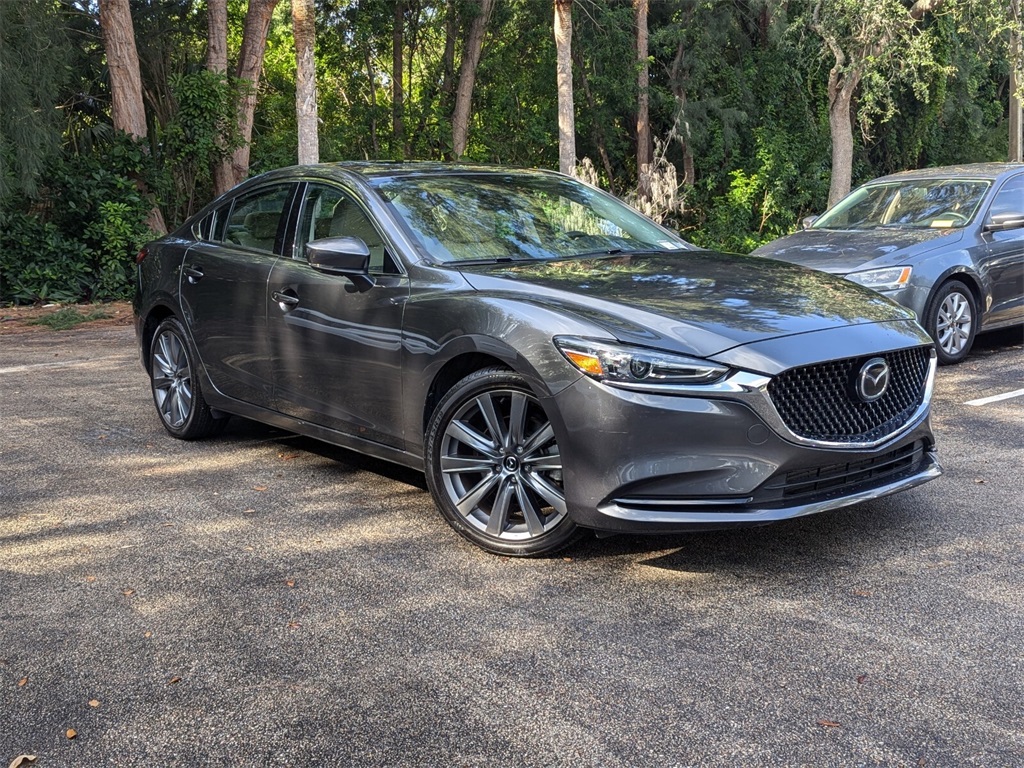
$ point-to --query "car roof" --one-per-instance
(967, 171)
(377, 170)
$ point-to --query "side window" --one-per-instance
(255, 219)
(329, 212)
(1009, 199)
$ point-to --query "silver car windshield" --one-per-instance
(514, 217)
(918, 203)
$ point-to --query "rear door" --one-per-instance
(224, 291)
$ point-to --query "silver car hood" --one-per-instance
(842, 251)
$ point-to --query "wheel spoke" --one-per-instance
(499, 512)
(455, 464)
(539, 438)
(546, 491)
(486, 405)
(472, 500)
(462, 432)
(530, 513)
(545, 463)
(516, 420)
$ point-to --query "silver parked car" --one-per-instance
(946, 242)
(551, 359)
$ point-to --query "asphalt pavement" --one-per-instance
(264, 600)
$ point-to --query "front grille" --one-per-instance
(818, 402)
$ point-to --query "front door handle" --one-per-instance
(286, 300)
(194, 274)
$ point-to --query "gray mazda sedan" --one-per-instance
(551, 359)
(946, 242)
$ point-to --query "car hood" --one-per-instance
(842, 251)
(695, 302)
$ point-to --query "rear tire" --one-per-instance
(952, 321)
(177, 392)
(494, 468)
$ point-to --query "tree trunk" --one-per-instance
(128, 112)
(372, 101)
(250, 65)
(1016, 153)
(397, 95)
(451, 28)
(682, 136)
(467, 77)
(217, 36)
(304, 25)
(840, 97)
(644, 150)
(566, 110)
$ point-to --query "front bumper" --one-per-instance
(646, 463)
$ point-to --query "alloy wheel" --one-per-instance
(172, 379)
(501, 468)
(953, 325)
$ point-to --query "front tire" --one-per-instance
(494, 468)
(952, 321)
(177, 393)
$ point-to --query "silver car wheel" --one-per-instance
(501, 467)
(954, 323)
(172, 379)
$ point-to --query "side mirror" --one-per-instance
(345, 256)
(1004, 221)
(806, 221)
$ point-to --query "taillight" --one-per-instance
(141, 255)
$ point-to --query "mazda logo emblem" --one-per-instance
(872, 380)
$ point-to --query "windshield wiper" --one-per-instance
(482, 262)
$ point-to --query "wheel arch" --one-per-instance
(156, 315)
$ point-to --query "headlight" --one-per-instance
(627, 365)
(888, 279)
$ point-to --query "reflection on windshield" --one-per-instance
(514, 217)
(918, 204)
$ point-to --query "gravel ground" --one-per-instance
(264, 600)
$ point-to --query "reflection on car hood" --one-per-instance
(842, 251)
(697, 302)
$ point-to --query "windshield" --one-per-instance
(920, 203)
(490, 217)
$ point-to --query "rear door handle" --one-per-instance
(286, 300)
(194, 274)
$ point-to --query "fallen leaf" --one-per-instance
(293, 625)
(94, 703)
(567, 559)
(979, 481)
(103, 437)
(861, 679)
(174, 680)
(829, 724)
(23, 682)
(259, 488)
(71, 733)
(167, 525)
(90, 579)
(128, 592)
(147, 634)
(862, 593)
(288, 456)
(290, 583)
(248, 511)
(22, 760)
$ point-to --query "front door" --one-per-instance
(337, 352)
(1004, 261)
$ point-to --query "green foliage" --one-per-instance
(68, 317)
(79, 242)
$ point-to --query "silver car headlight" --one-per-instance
(887, 279)
(636, 367)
